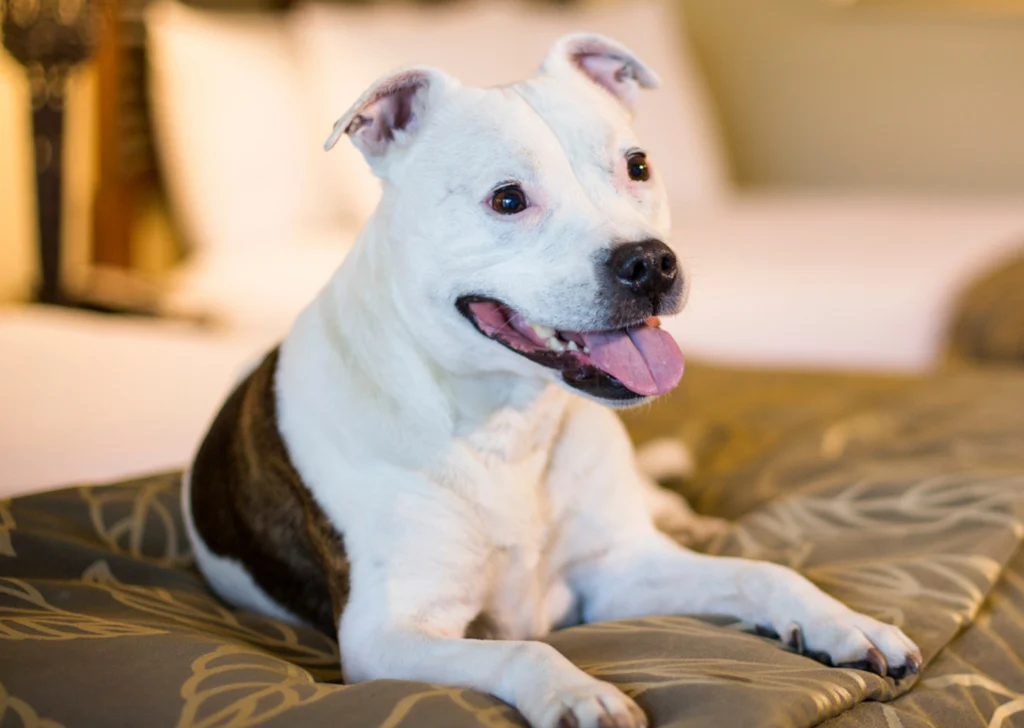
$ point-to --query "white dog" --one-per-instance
(425, 468)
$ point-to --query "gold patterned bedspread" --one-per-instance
(904, 498)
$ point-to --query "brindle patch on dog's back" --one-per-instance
(250, 504)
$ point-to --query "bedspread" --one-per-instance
(903, 497)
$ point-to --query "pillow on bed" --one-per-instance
(256, 294)
(240, 156)
(343, 49)
(231, 130)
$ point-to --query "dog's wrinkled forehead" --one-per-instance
(486, 136)
(591, 128)
(544, 127)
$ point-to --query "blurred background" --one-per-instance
(842, 174)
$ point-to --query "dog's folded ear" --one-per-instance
(390, 111)
(604, 61)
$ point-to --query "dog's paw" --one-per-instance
(695, 531)
(673, 516)
(857, 641)
(593, 704)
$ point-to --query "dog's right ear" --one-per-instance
(388, 113)
(606, 62)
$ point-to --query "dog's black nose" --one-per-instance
(647, 268)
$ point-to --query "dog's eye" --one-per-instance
(639, 170)
(509, 200)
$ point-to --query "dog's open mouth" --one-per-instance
(641, 360)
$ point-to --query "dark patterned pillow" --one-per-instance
(988, 327)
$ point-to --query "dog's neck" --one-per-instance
(351, 350)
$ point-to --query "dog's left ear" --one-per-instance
(604, 61)
(388, 113)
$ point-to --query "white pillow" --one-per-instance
(834, 282)
(260, 293)
(343, 49)
(231, 128)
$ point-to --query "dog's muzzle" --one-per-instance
(625, 356)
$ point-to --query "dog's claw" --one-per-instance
(874, 661)
(911, 666)
(796, 639)
(914, 663)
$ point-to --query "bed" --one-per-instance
(902, 496)
(901, 492)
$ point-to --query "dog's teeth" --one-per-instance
(544, 332)
(554, 344)
(572, 346)
(586, 349)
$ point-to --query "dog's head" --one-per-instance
(525, 223)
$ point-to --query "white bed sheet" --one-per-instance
(840, 283)
(87, 398)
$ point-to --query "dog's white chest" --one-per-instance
(507, 464)
(525, 593)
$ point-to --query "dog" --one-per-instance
(429, 466)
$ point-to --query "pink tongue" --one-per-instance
(646, 359)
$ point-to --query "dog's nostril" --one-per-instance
(668, 264)
(637, 272)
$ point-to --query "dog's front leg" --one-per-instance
(649, 574)
(422, 580)
(621, 566)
